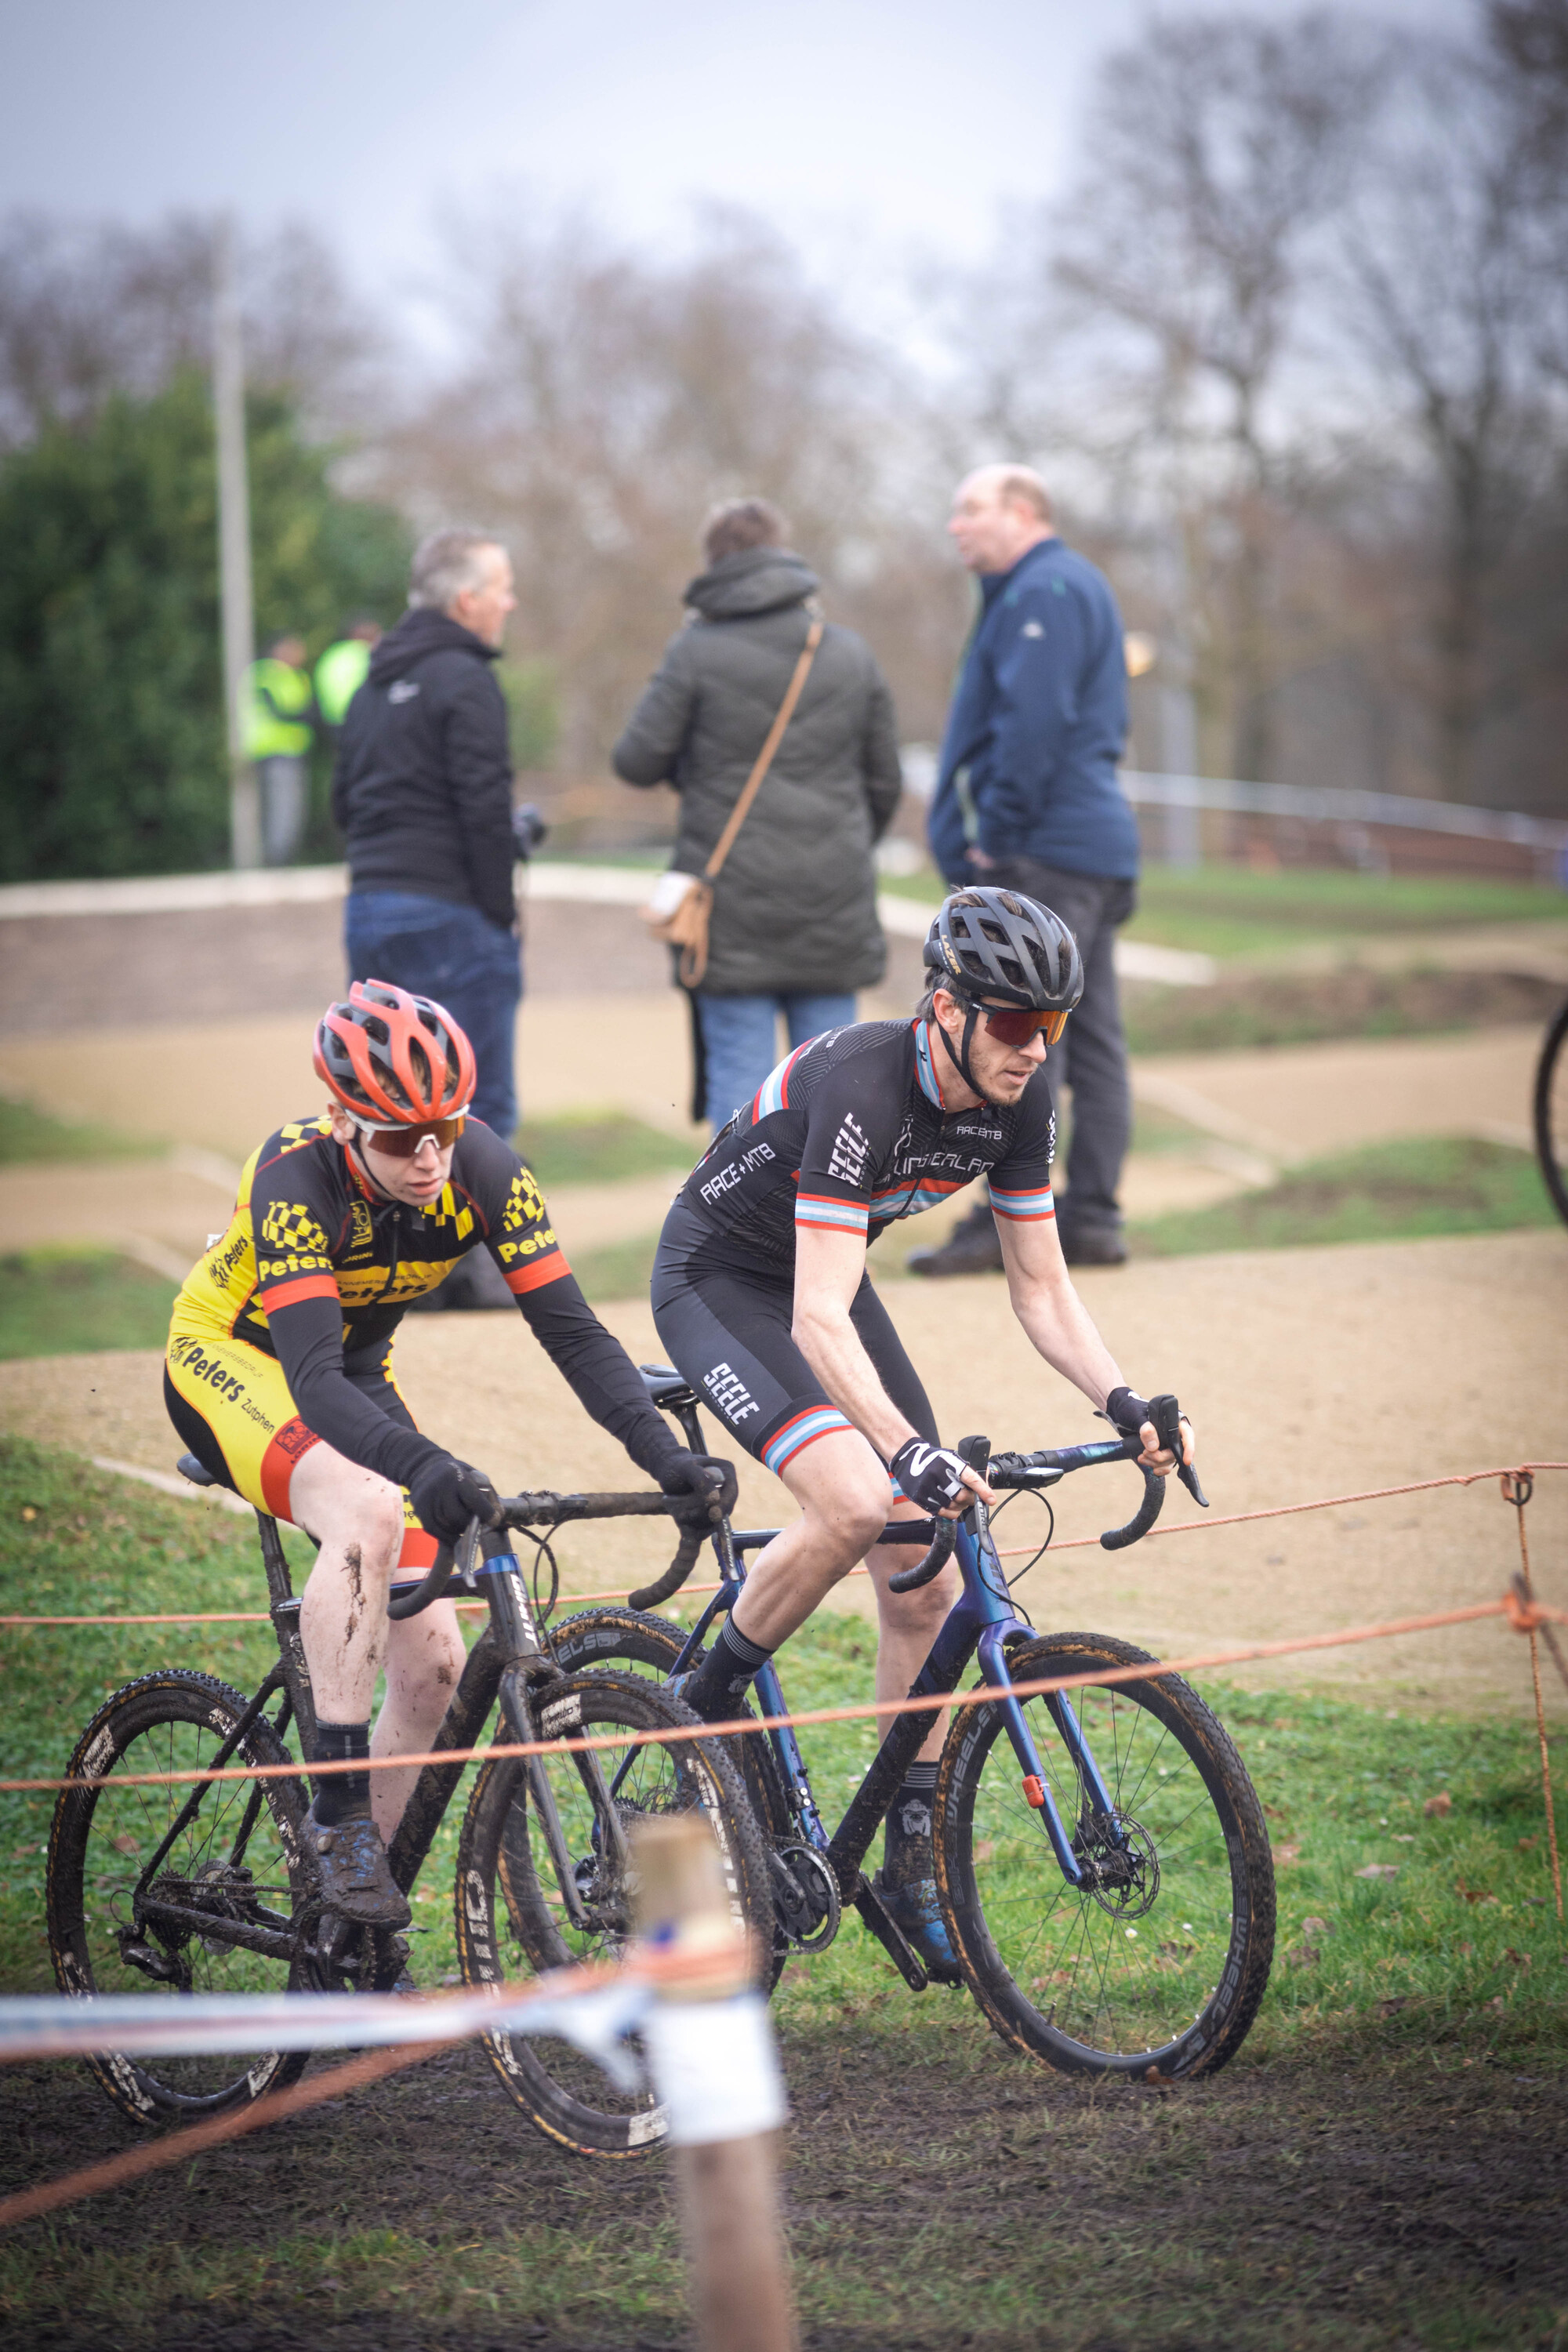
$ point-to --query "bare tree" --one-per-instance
(88, 308)
(1447, 299)
(1214, 147)
(606, 400)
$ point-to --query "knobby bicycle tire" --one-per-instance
(1551, 1114)
(99, 1842)
(618, 1636)
(1157, 1975)
(511, 1921)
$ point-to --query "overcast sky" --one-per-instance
(849, 124)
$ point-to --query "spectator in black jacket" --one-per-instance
(422, 791)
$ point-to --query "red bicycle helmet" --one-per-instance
(394, 1059)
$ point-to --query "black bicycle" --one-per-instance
(1101, 1858)
(209, 1887)
(1552, 1111)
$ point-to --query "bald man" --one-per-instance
(1028, 799)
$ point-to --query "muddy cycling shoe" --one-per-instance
(971, 1247)
(916, 1914)
(355, 1875)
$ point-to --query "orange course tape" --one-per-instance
(1014, 1551)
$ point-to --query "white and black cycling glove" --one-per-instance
(929, 1475)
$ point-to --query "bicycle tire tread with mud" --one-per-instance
(171, 1696)
(1222, 2025)
(495, 1858)
(1554, 1049)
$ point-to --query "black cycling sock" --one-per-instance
(716, 1688)
(339, 1794)
(907, 1846)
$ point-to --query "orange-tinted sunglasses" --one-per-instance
(402, 1142)
(1011, 1026)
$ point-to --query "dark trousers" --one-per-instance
(1092, 1057)
(471, 967)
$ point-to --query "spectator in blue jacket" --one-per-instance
(1027, 798)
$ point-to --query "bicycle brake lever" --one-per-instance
(1166, 1415)
(1187, 1473)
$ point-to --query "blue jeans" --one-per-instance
(740, 1040)
(467, 965)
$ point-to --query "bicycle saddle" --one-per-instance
(196, 1472)
(667, 1388)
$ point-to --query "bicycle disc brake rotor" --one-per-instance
(805, 1897)
(1121, 1866)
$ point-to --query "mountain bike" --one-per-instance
(210, 1887)
(1101, 1860)
(1551, 1109)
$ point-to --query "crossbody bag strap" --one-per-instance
(741, 810)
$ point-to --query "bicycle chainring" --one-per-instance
(807, 1904)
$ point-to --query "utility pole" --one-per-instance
(234, 545)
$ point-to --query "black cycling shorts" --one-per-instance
(729, 1334)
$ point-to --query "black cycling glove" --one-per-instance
(1127, 1410)
(929, 1475)
(447, 1494)
(707, 1477)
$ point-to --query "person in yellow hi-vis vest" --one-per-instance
(280, 714)
(342, 671)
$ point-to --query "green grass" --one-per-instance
(1338, 1776)
(601, 1148)
(29, 1134)
(1228, 910)
(1374, 2168)
(71, 1302)
(618, 1269)
(1386, 1191)
(1249, 1009)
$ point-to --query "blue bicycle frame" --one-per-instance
(982, 1619)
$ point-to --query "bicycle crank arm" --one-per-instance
(277, 1944)
(898, 1950)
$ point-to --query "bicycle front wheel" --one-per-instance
(236, 1860)
(1551, 1112)
(1155, 1967)
(513, 1919)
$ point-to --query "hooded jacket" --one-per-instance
(422, 788)
(795, 905)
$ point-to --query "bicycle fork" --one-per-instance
(525, 1664)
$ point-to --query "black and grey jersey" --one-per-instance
(851, 1131)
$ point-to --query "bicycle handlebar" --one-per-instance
(548, 1509)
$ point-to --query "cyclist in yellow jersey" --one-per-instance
(279, 1378)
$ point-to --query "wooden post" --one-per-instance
(711, 2052)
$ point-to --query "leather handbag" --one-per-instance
(681, 905)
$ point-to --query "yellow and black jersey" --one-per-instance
(306, 1226)
(316, 1272)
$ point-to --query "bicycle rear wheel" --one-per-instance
(238, 1858)
(1156, 1969)
(512, 1920)
(1551, 1112)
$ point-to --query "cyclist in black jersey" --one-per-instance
(279, 1378)
(762, 1299)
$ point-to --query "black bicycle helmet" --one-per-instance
(987, 943)
(997, 943)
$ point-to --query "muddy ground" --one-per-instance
(1365, 2197)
